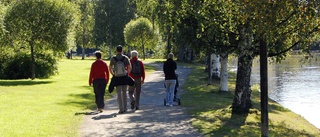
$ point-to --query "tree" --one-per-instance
(111, 16)
(140, 32)
(2, 30)
(42, 24)
(85, 27)
(280, 28)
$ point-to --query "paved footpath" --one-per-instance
(153, 119)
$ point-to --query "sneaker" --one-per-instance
(170, 105)
(132, 105)
(167, 104)
(120, 112)
(97, 111)
(137, 108)
(100, 110)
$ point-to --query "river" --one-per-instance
(294, 83)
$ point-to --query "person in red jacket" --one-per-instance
(138, 74)
(99, 77)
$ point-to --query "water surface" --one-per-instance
(295, 85)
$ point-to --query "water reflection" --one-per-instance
(295, 85)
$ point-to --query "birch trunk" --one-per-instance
(242, 96)
(215, 65)
(224, 73)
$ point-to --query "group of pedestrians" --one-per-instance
(127, 74)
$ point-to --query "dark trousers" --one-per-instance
(99, 88)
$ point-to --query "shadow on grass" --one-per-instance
(232, 124)
(22, 82)
(86, 113)
(283, 130)
(82, 100)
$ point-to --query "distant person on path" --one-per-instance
(99, 77)
(120, 67)
(169, 68)
(138, 74)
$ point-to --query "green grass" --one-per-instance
(48, 107)
(212, 113)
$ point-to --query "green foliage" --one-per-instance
(15, 66)
(6, 55)
(111, 16)
(40, 25)
(2, 30)
(84, 30)
(44, 23)
(140, 33)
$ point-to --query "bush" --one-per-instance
(19, 67)
(5, 56)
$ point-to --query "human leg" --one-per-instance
(132, 100)
(124, 97)
(119, 99)
(172, 84)
(99, 90)
(167, 84)
(138, 92)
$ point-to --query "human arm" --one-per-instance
(143, 74)
(107, 73)
(91, 75)
(110, 66)
(129, 67)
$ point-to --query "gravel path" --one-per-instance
(153, 119)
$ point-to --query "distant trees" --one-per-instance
(84, 32)
(140, 33)
(111, 16)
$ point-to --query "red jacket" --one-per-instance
(143, 73)
(99, 70)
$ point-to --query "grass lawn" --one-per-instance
(48, 107)
(212, 113)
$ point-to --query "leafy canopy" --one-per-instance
(140, 33)
(45, 23)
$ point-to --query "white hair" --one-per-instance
(134, 53)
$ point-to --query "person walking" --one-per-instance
(138, 74)
(169, 68)
(120, 67)
(99, 77)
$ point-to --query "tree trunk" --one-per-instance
(143, 52)
(181, 53)
(83, 41)
(224, 73)
(209, 69)
(242, 96)
(215, 66)
(33, 62)
(82, 53)
(168, 40)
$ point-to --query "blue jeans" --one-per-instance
(170, 85)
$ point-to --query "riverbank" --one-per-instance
(212, 116)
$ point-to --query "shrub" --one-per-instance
(19, 67)
(5, 56)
